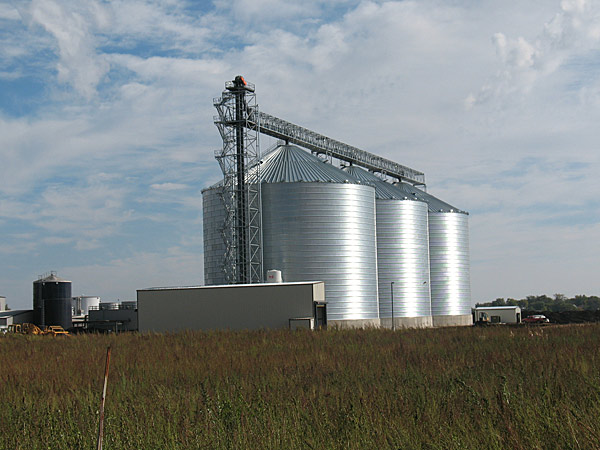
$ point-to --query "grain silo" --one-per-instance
(449, 259)
(295, 212)
(402, 254)
(318, 224)
(52, 301)
(213, 218)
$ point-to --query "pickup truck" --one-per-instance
(536, 318)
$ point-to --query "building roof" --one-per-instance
(171, 288)
(15, 312)
(497, 307)
(50, 278)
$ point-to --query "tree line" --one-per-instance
(557, 303)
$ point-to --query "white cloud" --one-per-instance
(90, 211)
(573, 31)
(164, 25)
(168, 186)
(73, 28)
(9, 12)
(55, 240)
(176, 267)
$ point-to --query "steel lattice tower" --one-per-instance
(241, 197)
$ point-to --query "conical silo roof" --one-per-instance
(51, 278)
(383, 190)
(435, 204)
(291, 164)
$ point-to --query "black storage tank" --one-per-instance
(52, 302)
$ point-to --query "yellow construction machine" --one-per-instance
(56, 330)
(30, 328)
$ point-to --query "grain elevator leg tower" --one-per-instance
(241, 198)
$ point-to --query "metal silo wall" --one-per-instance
(403, 258)
(57, 304)
(324, 232)
(213, 212)
(38, 304)
(449, 256)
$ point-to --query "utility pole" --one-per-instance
(392, 290)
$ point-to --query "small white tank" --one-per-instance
(274, 276)
(109, 305)
(81, 305)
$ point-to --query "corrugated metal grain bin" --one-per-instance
(402, 254)
(52, 302)
(213, 217)
(318, 222)
(449, 260)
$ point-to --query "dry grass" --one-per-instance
(456, 388)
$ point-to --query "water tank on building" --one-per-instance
(274, 276)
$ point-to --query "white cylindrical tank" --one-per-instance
(82, 304)
(109, 305)
(274, 276)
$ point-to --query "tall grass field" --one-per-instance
(454, 388)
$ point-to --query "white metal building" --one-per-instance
(499, 314)
(235, 307)
(2, 303)
(17, 316)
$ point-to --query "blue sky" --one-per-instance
(107, 136)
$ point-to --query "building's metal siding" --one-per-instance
(233, 307)
(449, 256)
(324, 232)
(403, 258)
(214, 247)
